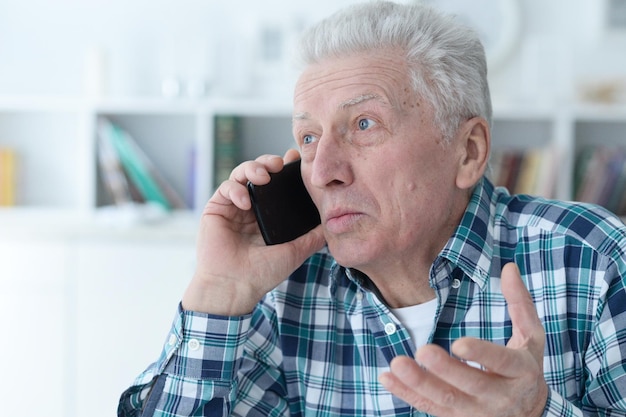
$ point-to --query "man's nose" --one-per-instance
(331, 163)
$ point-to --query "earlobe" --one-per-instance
(476, 141)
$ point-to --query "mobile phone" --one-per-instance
(283, 207)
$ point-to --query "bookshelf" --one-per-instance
(600, 164)
(55, 142)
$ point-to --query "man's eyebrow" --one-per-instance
(358, 100)
(301, 116)
(343, 105)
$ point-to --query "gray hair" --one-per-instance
(446, 59)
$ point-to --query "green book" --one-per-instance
(134, 166)
(226, 147)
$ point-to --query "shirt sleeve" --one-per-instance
(605, 358)
(196, 371)
(557, 406)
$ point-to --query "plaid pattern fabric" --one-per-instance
(316, 345)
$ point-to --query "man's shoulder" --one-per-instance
(586, 222)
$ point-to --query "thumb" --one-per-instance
(528, 331)
(307, 244)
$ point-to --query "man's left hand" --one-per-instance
(510, 383)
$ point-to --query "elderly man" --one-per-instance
(425, 289)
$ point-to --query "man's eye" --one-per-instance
(306, 139)
(366, 123)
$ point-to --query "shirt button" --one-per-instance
(390, 328)
(193, 344)
(359, 296)
(172, 339)
(456, 283)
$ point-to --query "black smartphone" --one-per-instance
(283, 207)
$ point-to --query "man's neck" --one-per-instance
(397, 292)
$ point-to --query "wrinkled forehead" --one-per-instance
(351, 80)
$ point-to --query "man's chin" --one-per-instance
(347, 252)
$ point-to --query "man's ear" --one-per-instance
(475, 143)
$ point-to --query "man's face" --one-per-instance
(373, 161)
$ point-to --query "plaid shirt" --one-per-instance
(317, 343)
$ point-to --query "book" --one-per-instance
(174, 199)
(583, 159)
(611, 172)
(226, 147)
(593, 175)
(140, 171)
(7, 177)
(111, 170)
(514, 166)
(528, 172)
(614, 202)
(508, 169)
(600, 177)
(546, 173)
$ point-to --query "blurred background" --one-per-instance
(132, 47)
(90, 280)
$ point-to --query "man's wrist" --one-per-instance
(218, 299)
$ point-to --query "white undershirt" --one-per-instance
(418, 320)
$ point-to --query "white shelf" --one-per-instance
(151, 105)
(55, 138)
(599, 113)
(523, 111)
(44, 224)
(50, 104)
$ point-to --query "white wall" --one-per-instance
(44, 45)
(564, 45)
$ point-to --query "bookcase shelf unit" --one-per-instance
(55, 142)
(57, 167)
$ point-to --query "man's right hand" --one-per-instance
(235, 268)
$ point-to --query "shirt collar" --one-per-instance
(471, 246)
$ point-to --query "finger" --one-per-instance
(230, 193)
(527, 328)
(273, 163)
(291, 155)
(257, 171)
(465, 376)
(422, 389)
(524, 351)
(497, 359)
